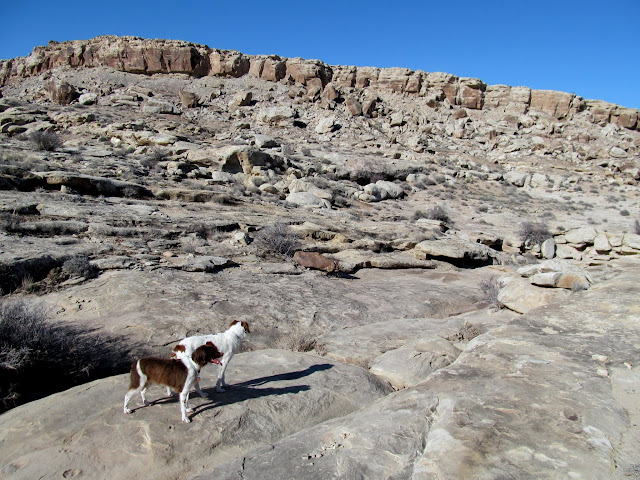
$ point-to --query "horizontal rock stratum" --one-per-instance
(138, 55)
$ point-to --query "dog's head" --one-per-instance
(245, 325)
(207, 353)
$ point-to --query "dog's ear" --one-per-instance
(233, 323)
(245, 325)
(210, 344)
(199, 356)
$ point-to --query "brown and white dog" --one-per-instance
(177, 374)
(228, 342)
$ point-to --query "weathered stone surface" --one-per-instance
(91, 185)
(84, 429)
(413, 362)
(351, 260)
(557, 104)
(456, 409)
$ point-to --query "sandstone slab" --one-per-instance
(83, 431)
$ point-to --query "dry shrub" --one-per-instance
(277, 240)
(490, 288)
(536, 233)
(296, 342)
(434, 213)
(57, 355)
(46, 141)
(79, 266)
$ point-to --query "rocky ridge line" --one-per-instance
(145, 56)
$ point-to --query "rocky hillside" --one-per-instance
(440, 275)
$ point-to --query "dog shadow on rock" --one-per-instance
(246, 390)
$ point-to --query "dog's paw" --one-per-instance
(219, 389)
(186, 420)
(128, 410)
(189, 410)
(204, 395)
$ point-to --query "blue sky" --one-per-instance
(587, 47)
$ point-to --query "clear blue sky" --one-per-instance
(591, 48)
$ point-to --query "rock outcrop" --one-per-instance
(138, 55)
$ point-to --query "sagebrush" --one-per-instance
(46, 141)
(534, 232)
(277, 239)
(39, 357)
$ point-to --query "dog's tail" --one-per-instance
(134, 383)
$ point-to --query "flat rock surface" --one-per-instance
(546, 396)
(84, 432)
(148, 307)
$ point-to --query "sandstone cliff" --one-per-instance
(138, 55)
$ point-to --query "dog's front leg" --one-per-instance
(184, 398)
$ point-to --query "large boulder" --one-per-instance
(455, 250)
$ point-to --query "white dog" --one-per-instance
(179, 375)
(227, 342)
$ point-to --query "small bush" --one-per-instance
(490, 288)
(38, 358)
(434, 213)
(277, 240)
(624, 213)
(296, 342)
(534, 232)
(46, 141)
(79, 266)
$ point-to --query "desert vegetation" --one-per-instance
(39, 357)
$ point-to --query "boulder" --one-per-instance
(631, 240)
(516, 178)
(521, 296)
(548, 248)
(189, 99)
(582, 235)
(307, 199)
(455, 250)
(241, 99)
(315, 261)
(354, 107)
(601, 243)
(61, 93)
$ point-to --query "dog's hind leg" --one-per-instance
(128, 396)
(221, 383)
